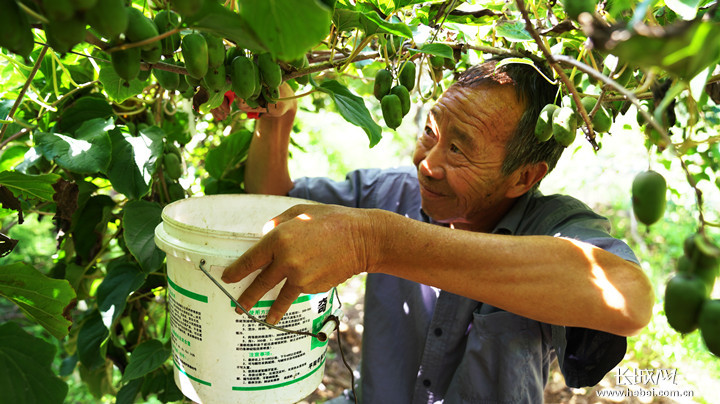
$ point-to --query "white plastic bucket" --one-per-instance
(219, 355)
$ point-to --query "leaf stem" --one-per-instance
(28, 81)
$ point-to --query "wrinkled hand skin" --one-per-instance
(299, 250)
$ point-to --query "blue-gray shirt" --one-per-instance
(424, 345)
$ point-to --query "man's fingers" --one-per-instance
(267, 279)
(256, 257)
(287, 295)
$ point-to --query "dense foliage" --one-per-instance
(112, 109)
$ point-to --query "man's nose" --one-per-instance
(432, 165)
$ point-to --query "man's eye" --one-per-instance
(429, 132)
(454, 149)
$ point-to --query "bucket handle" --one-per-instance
(331, 323)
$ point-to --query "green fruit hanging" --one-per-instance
(141, 28)
(173, 166)
(166, 21)
(270, 71)
(108, 18)
(126, 63)
(58, 10)
(404, 96)
(709, 324)
(391, 110)
(83, 5)
(195, 54)
(648, 196)
(186, 8)
(216, 49)
(64, 35)
(215, 79)
(601, 121)
(684, 296)
(242, 77)
(407, 75)
(167, 80)
(564, 125)
(543, 126)
(383, 83)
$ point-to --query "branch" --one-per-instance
(20, 97)
(529, 27)
(328, 65)
(629, 95)
(143, 42)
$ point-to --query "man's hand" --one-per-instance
(277, 109)
(312, 248)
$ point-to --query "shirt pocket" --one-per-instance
(502, 362)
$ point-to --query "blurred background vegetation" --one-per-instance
(326, 145)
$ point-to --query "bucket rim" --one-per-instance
(224, 233)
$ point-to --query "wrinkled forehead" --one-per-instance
(488, 108)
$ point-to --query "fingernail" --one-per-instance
(270, 319)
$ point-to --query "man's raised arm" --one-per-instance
(266, 169)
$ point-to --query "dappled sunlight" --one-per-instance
(612, 296)
(76, 147)
(273, 223)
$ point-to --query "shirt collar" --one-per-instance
(511, 221)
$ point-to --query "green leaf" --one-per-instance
(288, 28)
(226, 158)
(215, 18)
(29, 186)
(84, 109)
(42, 299)
(513, 31)
(139, 221)
(147, 357)
(436, 49)
(12, 156)
(128, 393)
(91, 342)
(371, 23)
(88, 152)
(122, 279)
(352, 108)
(134, 159)
(26, 374)
(686, 9)
(346, 20)
(116, 88)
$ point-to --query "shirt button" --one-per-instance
(426, 382)
(438, 332)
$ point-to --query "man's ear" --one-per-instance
(525, 177)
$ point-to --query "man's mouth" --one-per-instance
(429, 192)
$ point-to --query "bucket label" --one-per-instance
(214, 346)
(271, 358)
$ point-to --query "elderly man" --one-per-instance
(475, 279)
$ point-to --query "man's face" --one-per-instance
(460, 153)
